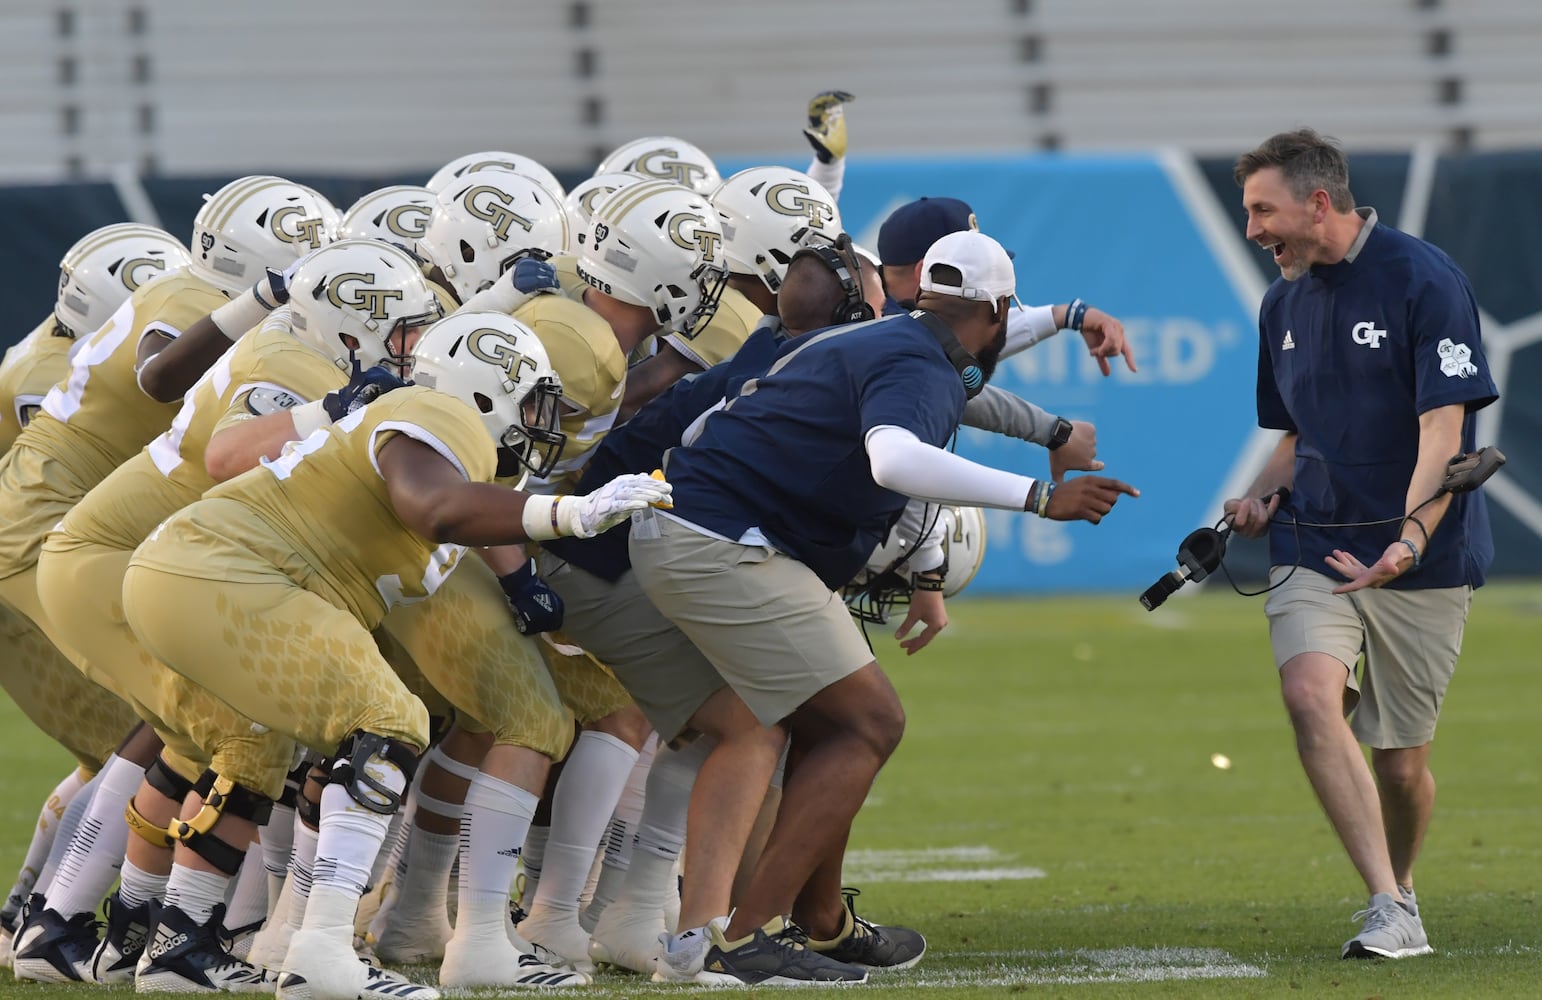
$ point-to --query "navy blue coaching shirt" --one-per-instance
(788, 456)
(1349, 357)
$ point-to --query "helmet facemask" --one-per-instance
(536, 443)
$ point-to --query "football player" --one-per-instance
(297, 560)
(362, 300)
(397, 214)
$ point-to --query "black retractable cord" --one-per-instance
(1204, 550)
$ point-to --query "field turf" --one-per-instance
(1058, 823)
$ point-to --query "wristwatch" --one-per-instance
(1061, 434)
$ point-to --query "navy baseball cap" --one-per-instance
(911, 229)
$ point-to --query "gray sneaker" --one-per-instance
(1391, 930)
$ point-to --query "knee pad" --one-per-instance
(170, 784)
(220, 796)
(155, 836)
(351, 769)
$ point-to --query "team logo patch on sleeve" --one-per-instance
(266, 399)
(1455, 359)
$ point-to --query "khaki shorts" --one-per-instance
(1410, 640)
(660, 668)
(774, 632)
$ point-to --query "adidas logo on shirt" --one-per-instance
(1289, 343)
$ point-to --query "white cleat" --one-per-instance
(321, 965)
(683, 962)
(627, 936)
(478, 963)
(559, 933)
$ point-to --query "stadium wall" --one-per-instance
(1155, 239)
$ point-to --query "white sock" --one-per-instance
(90, 864)
(139, 886)
(277, 838)
(492, 829)
(425, 885)
(586, 795)
(68, 824)
(302, 864)
(248, 893)
(619, 837)
(661, 830)
(195, 892)
(532, 858)
(383, 857)
(350, 837)
(49, 821)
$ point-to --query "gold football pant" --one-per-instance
(464, 642)
(296, 663)
(80, 585)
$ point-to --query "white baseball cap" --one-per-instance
(987, 270)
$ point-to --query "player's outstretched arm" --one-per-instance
(434, 500)
(168, 368)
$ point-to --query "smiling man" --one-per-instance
(1371, 361)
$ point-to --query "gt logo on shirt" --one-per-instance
(307, 231)
(1368, 334)
(344, 291)
(498, 348)
(495, 210)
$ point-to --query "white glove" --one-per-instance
(584, 517)
(613, 503)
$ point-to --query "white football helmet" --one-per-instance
(332, 216)
(104, 267)
(496, 365)
(659, 245)
(255, 223)
(397, 214)
(484, 222)
(964, 542)
(587, 195)
(767, 214)
(355, 301)
(666, 158)
(472, 162)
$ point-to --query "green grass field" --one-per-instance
(1056, 825)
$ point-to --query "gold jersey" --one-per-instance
(321, 512)
(730, 327)
(588, 361)
(266, 371)
(97, 417)
(571, 286)
(29, 370)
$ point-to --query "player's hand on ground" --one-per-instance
(826, 130)
(1397, 560)
(1087, 498)
(1078, 454)
(1105, 339)
(926, 608)
(1250, 516)
(366, 385)
(535, 606)
(616, 501)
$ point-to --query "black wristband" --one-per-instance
(928, 582)
(1061, 434)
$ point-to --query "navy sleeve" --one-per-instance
(1449, 364)
(907, 389)
(1271, 405)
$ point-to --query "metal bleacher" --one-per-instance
(345, 86)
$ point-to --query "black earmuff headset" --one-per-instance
(846, 264)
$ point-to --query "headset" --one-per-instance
(846, 264)
(965, 363)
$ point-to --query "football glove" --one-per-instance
(826, 130)
(536, 607)
(531, 276)
(273, 287)
(613, 503)
(365, 386)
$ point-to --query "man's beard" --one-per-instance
(991, 353)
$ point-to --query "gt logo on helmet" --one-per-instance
(700, 238)
(655, 163)
(799, 203)
(350, 289)
(131, 271)
(492, 206)
(307, 231)
(498, 348)
(408, 220)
